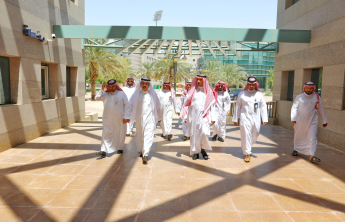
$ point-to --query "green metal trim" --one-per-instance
(184, 33)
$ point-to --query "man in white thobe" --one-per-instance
(222, 108)
(305, 111)
(179, 108)
(197, 107)
(129, 90)
(114, 127)
(168, 105)
(144, 108)
(251, 108)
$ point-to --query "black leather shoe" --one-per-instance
(214, 138)
(204, 154)
(145, 159)
(162, 136)
(196, 156)
(101, 154)
(169, 137)
(119, 152)
(185, 138)
(220, 139)
(141, 155)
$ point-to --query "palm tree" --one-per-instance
(233, 75)
(214, 71)
(271, 78)
(100, 63)
(146, 71)
(164, 70)
(126, 71)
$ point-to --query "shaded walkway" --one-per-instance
(57, 177)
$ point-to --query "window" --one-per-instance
(45, 82)
(68, 81)
(5, 90)
(289, 3)
(316, 78)
(291, 80)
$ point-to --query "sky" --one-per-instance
(192, 13)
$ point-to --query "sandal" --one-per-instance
(294, 153)
(314, 159)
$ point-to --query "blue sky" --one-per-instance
(210, 13)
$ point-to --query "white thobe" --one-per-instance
(145, 122)
(179, 110)
(166, 110)
(114, 131)
(306, 116)
(221, 108)
(198, 130)
(250, 117)
(129, 92)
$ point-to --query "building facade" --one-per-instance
(321, 61)
(255, 63)
(42, 84)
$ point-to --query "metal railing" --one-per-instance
(271, 108)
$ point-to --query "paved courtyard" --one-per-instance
(57, 177)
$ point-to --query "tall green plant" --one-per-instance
(234, 75)
(214, 71)
(164, 70)
(146, 71)
(100, 63)
(270, 78)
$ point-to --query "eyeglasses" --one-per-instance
(129, 81)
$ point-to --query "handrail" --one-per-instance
(271, 108)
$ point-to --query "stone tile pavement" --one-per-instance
(57, 177)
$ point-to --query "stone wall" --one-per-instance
(29, 116)
(326, 20)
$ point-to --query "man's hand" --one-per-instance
(293, 123)
(185, 120)
(213, 122)
(235, 123)
(128, 120)
(103, 85)
(324, 125)
(124, 121)
(228, 113)
(160, 121)
(265, 123)
(178, 114)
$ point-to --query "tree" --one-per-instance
(270, 78)
(147, 70)
(164, 70)
(233, 75)
(100, 63)
(214, 71)
(126, 71)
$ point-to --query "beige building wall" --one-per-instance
(29, 116)
(326, 20)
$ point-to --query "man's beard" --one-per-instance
(308, 93)
(130, 85)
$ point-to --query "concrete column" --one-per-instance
(333, 87)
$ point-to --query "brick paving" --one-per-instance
(57, 177)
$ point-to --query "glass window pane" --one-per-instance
(5, 89)
(68, 81)
(43, 82)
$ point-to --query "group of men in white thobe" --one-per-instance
(200, 107)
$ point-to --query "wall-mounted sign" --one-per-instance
(34, 35)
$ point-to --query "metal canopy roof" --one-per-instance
(153, 39)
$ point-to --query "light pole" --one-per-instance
(175, 70)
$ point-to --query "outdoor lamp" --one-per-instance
(175, 58)
(184, 58)
(166, 59)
